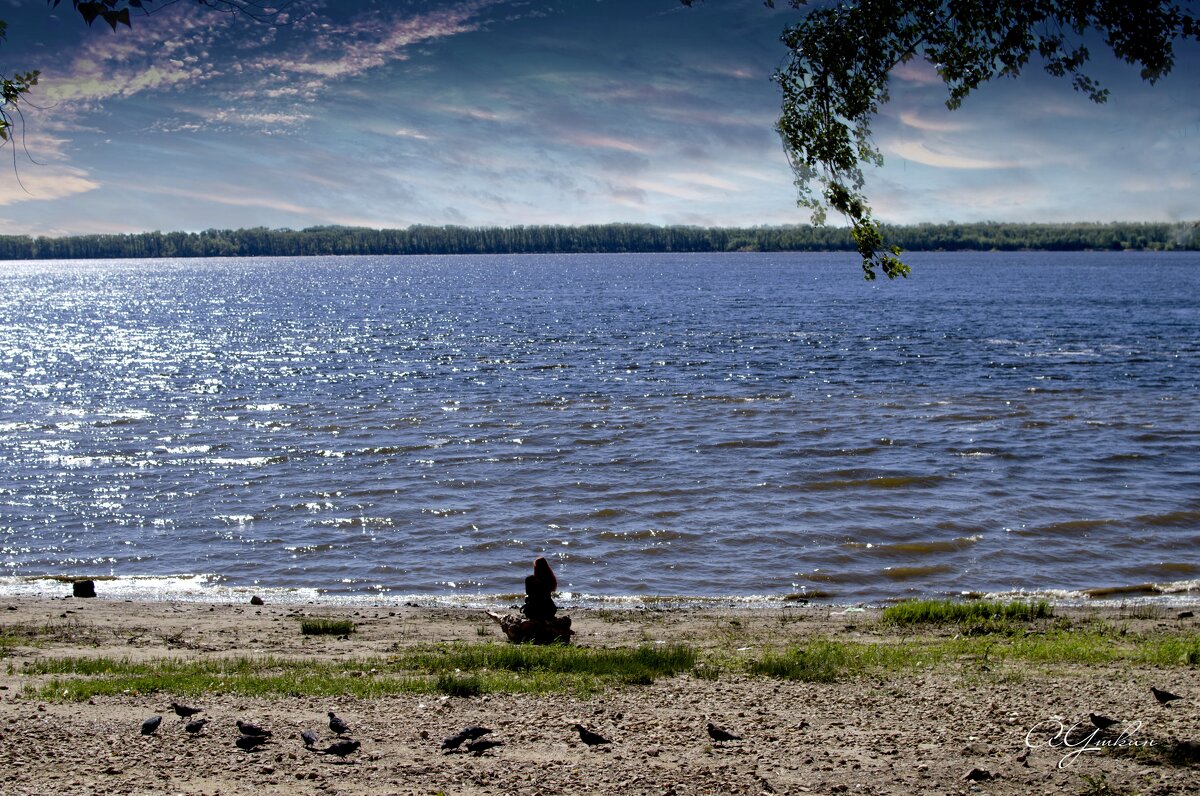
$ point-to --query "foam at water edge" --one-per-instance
(209, 588)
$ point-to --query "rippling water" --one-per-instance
(725, 425)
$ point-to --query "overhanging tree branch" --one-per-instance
(840, 58)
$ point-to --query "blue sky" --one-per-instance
(500, 112)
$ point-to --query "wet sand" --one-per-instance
(904, 733)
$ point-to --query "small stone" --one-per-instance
(83, 588)
(1185, 614)
(256, 600)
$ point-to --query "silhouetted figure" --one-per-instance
(540, 624)
(717, 734)
(1102, 722)
(339, 748)
(1164, 697)
(309, 737)
(195, 726)
(150, 725)
(183, 711)
(588, 737)
(337, 725)
(246, 728)
(539, 588)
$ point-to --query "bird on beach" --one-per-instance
(185, 712)
(482, 745)
(246, 728)
(588, 737)
(717, 734)
(339, 748)
(1102, 722)
(337, 725)
(150, 725)
(465, 734)
(195, 726)
(309, 737)
(251, 742)
(1164, 697)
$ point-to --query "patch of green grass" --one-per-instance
(827, 661)
(456, 669)
(459, 686)
(326, 627)
(940, 612)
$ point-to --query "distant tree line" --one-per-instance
(597, 238)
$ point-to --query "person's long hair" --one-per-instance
(542, 571)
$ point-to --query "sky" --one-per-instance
(388, 113)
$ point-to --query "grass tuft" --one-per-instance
(326, 627)
(917, 612)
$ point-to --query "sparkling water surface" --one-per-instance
(707, 425)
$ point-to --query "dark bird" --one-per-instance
(588, 737)
(1102, 722)
(251, 742)
(183, 711)
(194, 726)
(1163, 697)
(337, 725)
(481, 746)
(309, 737)
(717, 734)
(465, 734)
(150, 725)
(245, 728)
(339, 748)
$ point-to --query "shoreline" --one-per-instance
(210, 589)
(919, 729)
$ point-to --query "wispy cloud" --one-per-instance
(47, 177)
(914, 120)
(917, 71)
(45, 183)
(597, 141)
(920, 152)
(271, 77)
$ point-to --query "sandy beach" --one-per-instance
(964, 726)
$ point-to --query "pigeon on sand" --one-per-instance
(465, 734)
(337, 725)
(185, 712)
(1102, 722)
(251, 742)
(482, 745)
(309, 737)
(339, 748)
(246, 728)
(717, 734)
(195, 726)
(1164, 697)
(588, 737)
(150, 725)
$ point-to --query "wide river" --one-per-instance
(741, 425)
